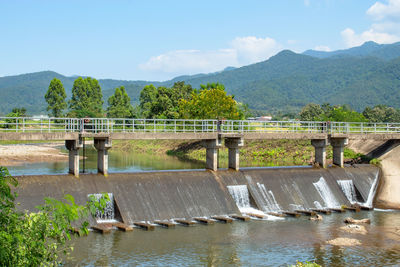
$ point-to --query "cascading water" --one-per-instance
(109, 212)
(372, 192)
(268, 196)
(240, 194)
(326, 194)
(348, 189)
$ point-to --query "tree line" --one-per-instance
(327, 112)
(180, 101)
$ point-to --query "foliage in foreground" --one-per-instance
(37, 239)
(305, 264)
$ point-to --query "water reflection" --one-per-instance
(118, 162)
(254, 243)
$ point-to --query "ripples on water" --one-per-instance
(254, 243)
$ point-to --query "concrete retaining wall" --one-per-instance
(187, 194)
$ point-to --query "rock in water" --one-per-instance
(354, 221)
(316, 218)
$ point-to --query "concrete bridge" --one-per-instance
(211, 132)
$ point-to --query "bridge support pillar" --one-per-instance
(233, 145)
(73, 148)
(338, 145)
(212, 146)
(102, 146)
(320, 151)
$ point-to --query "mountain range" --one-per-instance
(360, 76)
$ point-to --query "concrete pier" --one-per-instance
(102, 145)
(212, 147)
(73, 148)
(320, 151)
(338, 145)
(233, 145)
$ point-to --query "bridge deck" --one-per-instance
(130, 129)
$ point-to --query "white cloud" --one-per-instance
(352, 39)
(306, 2)
(252, 49)
(385, 31)
(322, 48)
(380, 11)
(242, 51)
(191, 61)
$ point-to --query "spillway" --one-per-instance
(160, 195)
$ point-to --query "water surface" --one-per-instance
(254, 243)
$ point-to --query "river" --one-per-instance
(253, 243)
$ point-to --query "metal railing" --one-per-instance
(115, 125)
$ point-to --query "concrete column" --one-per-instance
(212, 147)
(320, 151)
(233, 145)
(102, 146)
(338, 145)
(73, 148)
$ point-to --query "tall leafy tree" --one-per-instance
(311, 112)
(210, 102)
(87, 98)
(382, 113)
(147, 99)
(55, 98)
(163, 102)
(119, 104)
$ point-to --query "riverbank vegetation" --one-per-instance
(255, 153)
(39, 238)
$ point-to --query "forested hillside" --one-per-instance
(362, 76)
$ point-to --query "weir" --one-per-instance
(165, 195)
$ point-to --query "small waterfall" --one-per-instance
(326, 194)
(372, 192)
(268, 196)
(318, 205)
(240, 194)
(348, 189)
(109, 214)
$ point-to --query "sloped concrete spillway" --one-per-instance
(150, 196)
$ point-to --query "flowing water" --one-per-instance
(326, 194)
(348, 189)
(254, 243)
(108, 215)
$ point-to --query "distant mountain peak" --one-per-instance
(367, 49)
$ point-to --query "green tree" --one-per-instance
(55, 98)
(119, 104)
(381, 113)
(163, 102)
(311, 112)
(147, 98)
(345, 113)
(210, 102)
(37, 239)
(87, 98)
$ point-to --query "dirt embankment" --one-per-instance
(12, 155)
(388, 193)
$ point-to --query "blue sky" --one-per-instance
(158, 40)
